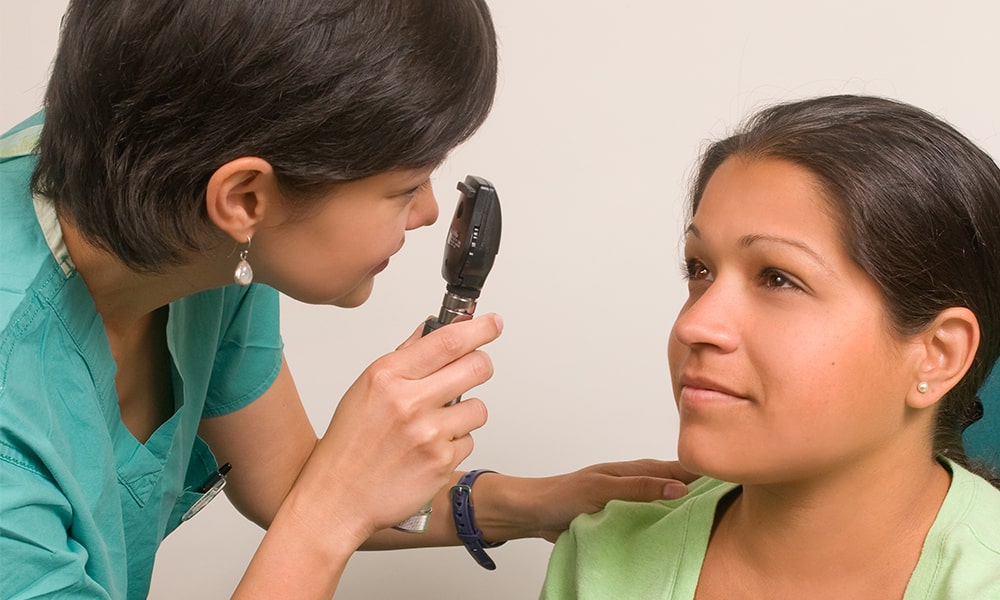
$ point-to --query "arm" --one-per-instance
(390, 445)
(267, 442)
(276, 439)
(509, 508)
(516, 507)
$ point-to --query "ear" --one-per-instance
(947, 348)
(238, 195)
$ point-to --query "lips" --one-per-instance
(385, 263)
(699, 390)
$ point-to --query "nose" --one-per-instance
(709, 319)
(424, 210)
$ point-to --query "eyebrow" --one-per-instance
(749, 240)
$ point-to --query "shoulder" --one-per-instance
(961, 555)
(636, 549)
(637, 528)
(619, 516)
(17, 155)
(221, 309)
(21, 139)
(24, 250)
(975, 505)
(227, 342)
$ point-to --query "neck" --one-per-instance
(125, 297)
(868, 520)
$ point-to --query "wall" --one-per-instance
(601, 111)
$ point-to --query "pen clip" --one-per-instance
(209, 490)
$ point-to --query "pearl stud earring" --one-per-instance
(922, 387)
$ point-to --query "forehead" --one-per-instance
(768, 196)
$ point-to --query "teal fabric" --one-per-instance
(982, 438)
(83, 504)
(655, 550)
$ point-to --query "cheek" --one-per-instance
(834, 383)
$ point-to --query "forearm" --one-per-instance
(508, 508)
(298, 557)
(502, 508)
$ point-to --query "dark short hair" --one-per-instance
(149, 97)
(919, 210)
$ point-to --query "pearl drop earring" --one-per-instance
(244, 273)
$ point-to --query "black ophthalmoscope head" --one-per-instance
(473, 239)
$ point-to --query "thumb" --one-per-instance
(647, 489)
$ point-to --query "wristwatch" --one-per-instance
(464, 515)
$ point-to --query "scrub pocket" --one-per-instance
(202, 468)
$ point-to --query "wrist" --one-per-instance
(464, 517)
(324, 524)
(502, 507)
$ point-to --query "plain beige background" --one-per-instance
(601, 111)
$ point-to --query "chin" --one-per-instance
(692, 465)
(348, 302)
(351, 299)
(699, 458)
(356, 297)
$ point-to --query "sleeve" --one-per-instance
(39, 554)
(249, 353)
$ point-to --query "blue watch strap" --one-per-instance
(465, 520)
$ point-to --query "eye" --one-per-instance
(694, 270)
(411, 194)
(776, 279)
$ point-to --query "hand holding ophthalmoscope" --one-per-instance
(470, 249)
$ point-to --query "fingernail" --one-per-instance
(499, 321)
(674, 489)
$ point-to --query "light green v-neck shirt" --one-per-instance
(646, 551)
(83, 504)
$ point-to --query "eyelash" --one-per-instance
(693, 269)
(423, 186)
(689, 268)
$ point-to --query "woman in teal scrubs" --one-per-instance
(194, 159)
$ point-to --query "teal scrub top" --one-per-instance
(83, 504)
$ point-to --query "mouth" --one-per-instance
(702, 391)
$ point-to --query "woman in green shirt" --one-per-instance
(843, 265)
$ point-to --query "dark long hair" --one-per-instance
(149, 97)
(919, 211)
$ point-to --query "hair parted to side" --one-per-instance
(919, 211)
(149, 97)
